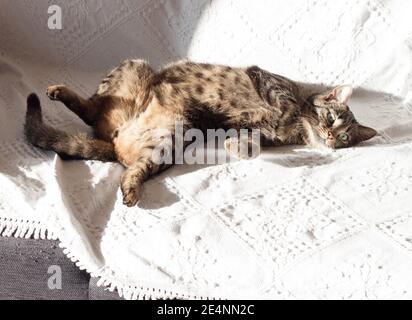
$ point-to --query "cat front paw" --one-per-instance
(244, 149)
(56, 92)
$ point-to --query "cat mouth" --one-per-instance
(330, 143)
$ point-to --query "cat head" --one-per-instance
(336, 125)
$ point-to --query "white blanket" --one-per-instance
(293, 223)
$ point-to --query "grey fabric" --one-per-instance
(101, 293)
(24, 266)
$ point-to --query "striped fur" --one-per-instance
(67, 146)
(133, 102)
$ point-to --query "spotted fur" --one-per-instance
(133, 102)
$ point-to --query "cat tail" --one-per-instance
(36, 132)
(68, 146)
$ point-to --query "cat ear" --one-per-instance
(341, 94)
(365, 133)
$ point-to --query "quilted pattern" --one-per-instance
(293, 223)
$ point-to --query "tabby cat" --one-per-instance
(133, 101)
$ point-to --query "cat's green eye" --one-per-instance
(344, 136)
(331, 118)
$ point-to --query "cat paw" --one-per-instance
(131, 194)
(244, 149)
(55, 92)
(130, 198)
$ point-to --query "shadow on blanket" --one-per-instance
(291, 157)
(17, 159)
(91, 200)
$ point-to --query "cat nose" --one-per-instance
(330, 135)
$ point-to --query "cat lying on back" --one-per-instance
(133, 101)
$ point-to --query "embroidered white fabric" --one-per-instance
(293, 223)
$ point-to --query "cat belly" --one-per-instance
(139, 136)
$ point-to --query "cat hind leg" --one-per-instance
(85, 109)
(68, 146)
